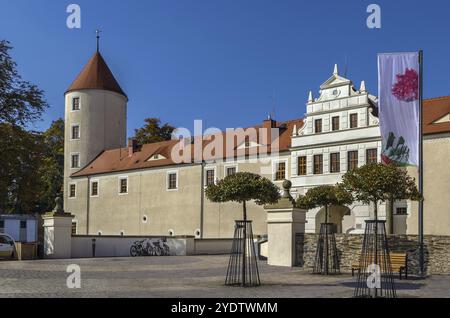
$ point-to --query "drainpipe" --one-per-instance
(88, 203)
(202, 199)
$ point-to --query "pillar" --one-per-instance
(285, 230)
(57, 233)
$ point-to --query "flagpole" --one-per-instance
(421, 252)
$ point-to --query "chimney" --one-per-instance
(268, 124)
(132, 146)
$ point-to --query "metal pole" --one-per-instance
(421, 254)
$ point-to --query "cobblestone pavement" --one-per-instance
(182, 276)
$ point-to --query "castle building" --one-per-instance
(114, 188)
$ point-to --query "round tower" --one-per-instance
(95, 119)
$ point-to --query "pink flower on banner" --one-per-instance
(407, 86)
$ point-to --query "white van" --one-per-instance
(7, 246)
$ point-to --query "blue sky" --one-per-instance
(221, 60)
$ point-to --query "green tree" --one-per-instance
(243, 187)
(20, 101)
(324, 196)
(153, 131)
(20, 182)
(376, 183)
(51, 171)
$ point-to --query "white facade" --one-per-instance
(338, 99)
(101, 121)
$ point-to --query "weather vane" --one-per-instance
(97, 32)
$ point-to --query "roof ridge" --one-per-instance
(438, 98)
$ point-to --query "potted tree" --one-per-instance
(241, 188)
(325, 196)
(374, 184)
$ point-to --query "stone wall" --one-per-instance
(436, 250)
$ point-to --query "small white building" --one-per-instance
(22, 228)
(341, 131)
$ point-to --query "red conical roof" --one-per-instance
(96, 75)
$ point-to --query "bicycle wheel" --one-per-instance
(133, 251)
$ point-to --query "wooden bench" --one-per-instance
(399, 264)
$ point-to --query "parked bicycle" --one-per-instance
(148, 247)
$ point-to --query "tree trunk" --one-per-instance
(376, 262)
(390, 216)
(244, 249)
(326, 213)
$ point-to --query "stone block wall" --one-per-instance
(436, 251)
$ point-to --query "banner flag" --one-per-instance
(399, 107)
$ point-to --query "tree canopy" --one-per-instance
(242, 187)
(31, 168)
(324, 195)
(375, 183)
(20, 101)
(153, 131)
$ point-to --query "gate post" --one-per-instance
(285, 224)
(57, 232)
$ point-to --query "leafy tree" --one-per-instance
(20, 101)
(242, 187)
(51, 171)
(374, 183)
(153, 131)
(20, 182)
(324, 196)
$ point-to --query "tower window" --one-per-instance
(75, 161)
(75, 103)
(352, 160)
(318, 125)
(75, 132)
(353, 120)
(172, 181)
(123, 185)
(72, 190)
(318, 164)
(335, 123)
(335, 163)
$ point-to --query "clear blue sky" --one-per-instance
(221, 60)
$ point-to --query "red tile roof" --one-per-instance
(433, 110)
(96, 75)
(117, 160)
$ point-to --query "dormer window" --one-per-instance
(156, 156)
